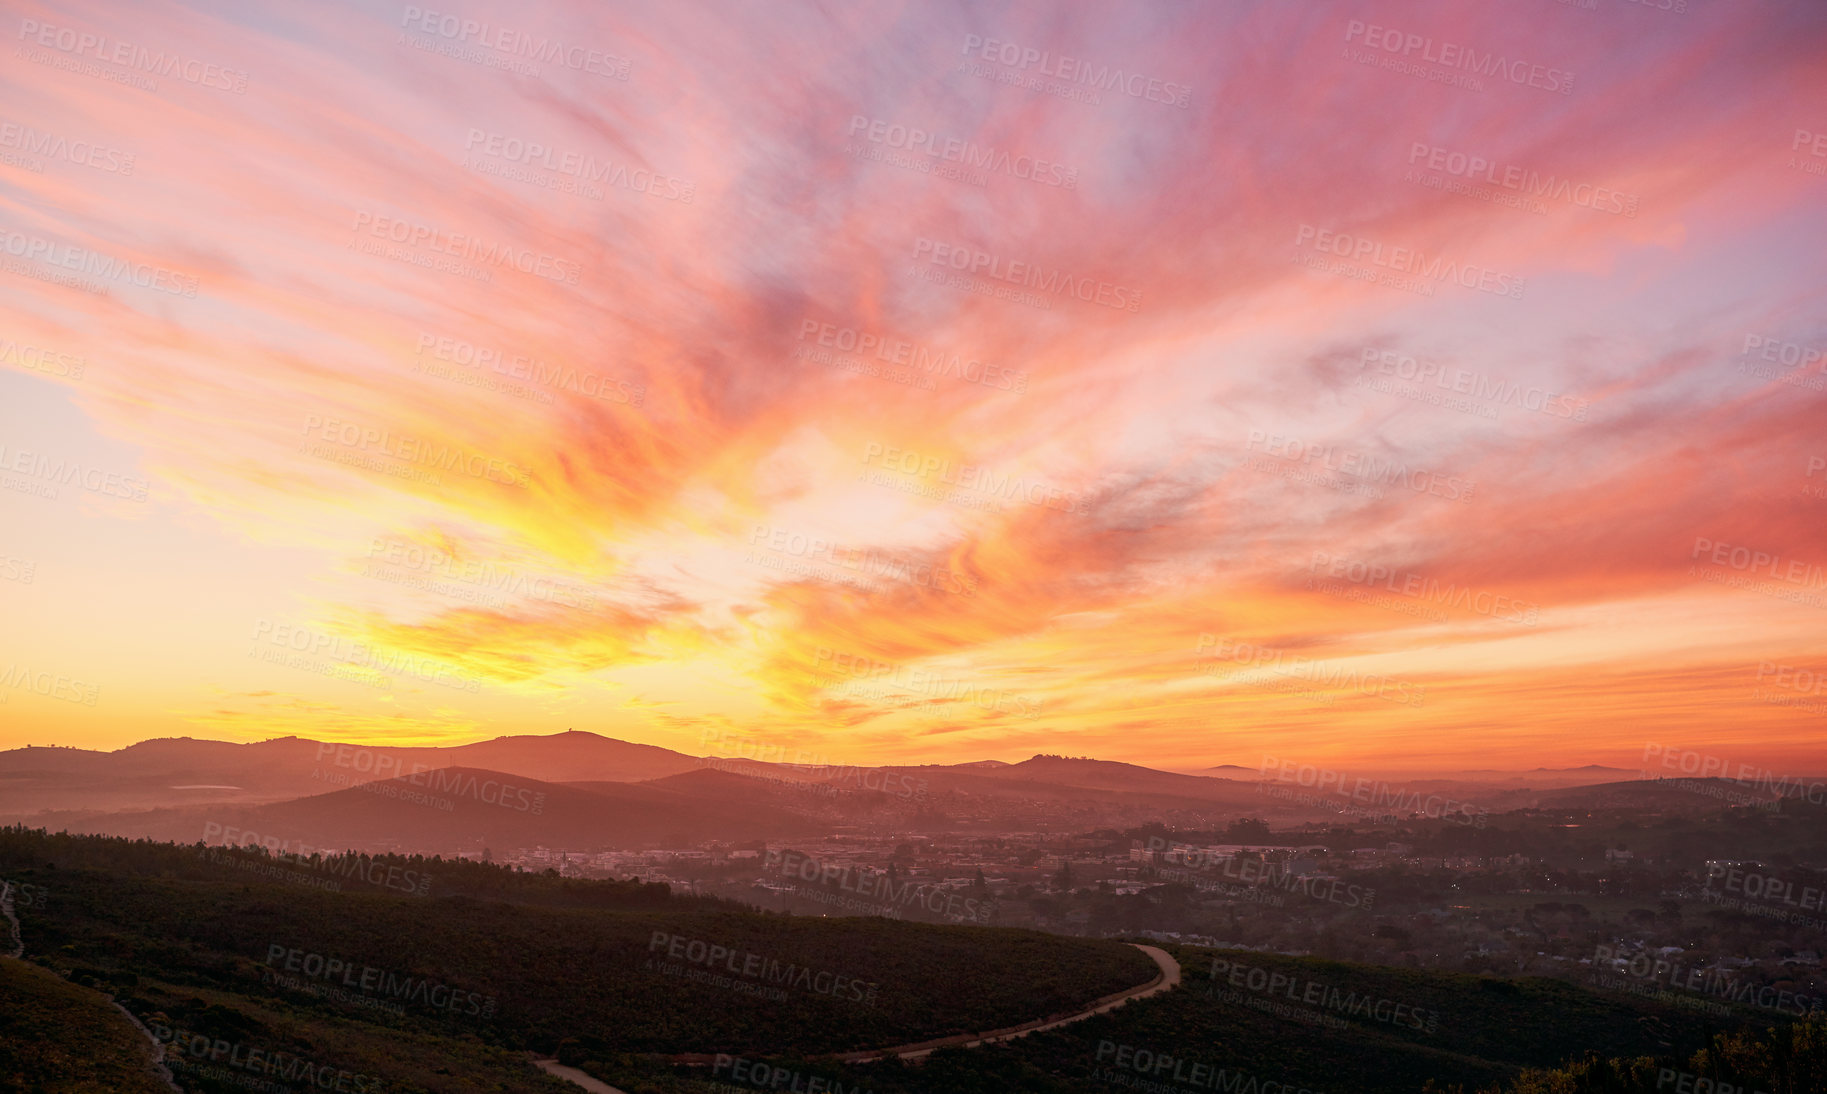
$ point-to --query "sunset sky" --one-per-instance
(373, 372)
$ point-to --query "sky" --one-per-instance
(1403, 386)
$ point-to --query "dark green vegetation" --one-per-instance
(1366, 1030)
(513, 962)
(1784, 1061)
(552, 965)
(221, 1043)
(59, 1038)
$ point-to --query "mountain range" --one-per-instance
(584, 790)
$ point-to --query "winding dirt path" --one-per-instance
(6, 909)
(594, 1086)
(1166, 980)
(18, 953)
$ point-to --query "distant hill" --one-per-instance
(1677, 795)
(758, 786)
(1229, 771)
(570, 757)
(1114, 775)
(172, 786)
(1036, 793)
(182, 771)
(465, 809)
(1540, 776)
(1543, 776)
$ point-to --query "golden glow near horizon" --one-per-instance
(790, 376)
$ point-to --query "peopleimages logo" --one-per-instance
(26, 141)
(1816, 143)
(1801, 684)
(196, 1049)
(442, 780)
(50, 685)
(41, 359)
(24, 894)
(1225, 651)
(1511, 177)
(1806, 575)
(1009, 487)
(1791, 363)
(1706, 766)
(848, 670)
(367, 978)
(1362, 465)
(474, 572)
(769, 970)
(304, 640)
(1476, 385)
(763, 1077)
(96, 264)
(968, 153)
(1315, 993)
(579, 166)
(338, 865)
(879, 885)
(1072, 70)
(513, 43)
(972, 261)
(1160, 1066)
(1713, 983)
(867, 560)
(415, 450)
(1425, 589)
(1686, 1082)
(1410, 261)
(831, 773)
(21, 570)
(64, 472)
(1272, 875)
(458, 248)
(1756, 886)
(520, 366)
(900, 351)
(132, 56)
(1453, 55)
(1373, 792)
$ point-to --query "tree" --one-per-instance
(1249, 830)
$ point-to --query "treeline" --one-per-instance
(417, 875)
